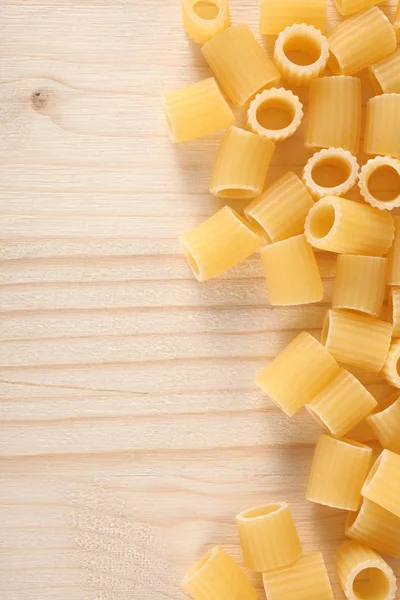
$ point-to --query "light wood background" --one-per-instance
(131, 429)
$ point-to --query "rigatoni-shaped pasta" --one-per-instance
(376, 527)
(383, 126)
(386, 424)
(203, 20)
(298, 373)
(291, 272)
(268, 537)
(338, 472)
(282, 209)
(275, 114)
(396, 23)
(385, 74)
(379, 182)
(393, 256)
(372, 38)
(330, 172)
(275, 15)
(240, 64)
(382, 485)
(346, 227)
(196, 111)
(306, 579)
(241, 164)
(394, 306)
(391, 368)
(349, 7)
(217, 577)
(218, 244)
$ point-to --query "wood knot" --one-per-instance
(40, 100)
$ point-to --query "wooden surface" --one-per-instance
(131, 429)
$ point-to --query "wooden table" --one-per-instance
(132, 431)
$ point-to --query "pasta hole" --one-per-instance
(325, 329)
(302, 50)
(384, 183)
(191, 260)
(334, 65)
(331, 172)
(275, 114)
(322, 219)
(206, 10)
(371, 584)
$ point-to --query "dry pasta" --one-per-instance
(241, 165)
(382, 485)
(382, 126)
(330, 172)
(349, 7)
(376, 527)
(362, 433)
(338, 472)
(394, 308)
(386, 424)
(394, 256)
(396, 23)
(240, 64)
(385, 74)
(275, 15)
(282, 209)
(380, 182)
(268, 537)
(298, 373)
(391, 368)
(219, 243)
(203, 20)
(275, 114)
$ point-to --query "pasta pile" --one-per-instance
(287, 221)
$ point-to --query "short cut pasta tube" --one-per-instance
(301, 53)
(291, 272)
(275, 114)
(363, 574)
(241, 165)
(360, 283)
(330, 172)
(275, 15)
(350, 7)
(393, 256)
(218, 244)
(385, 74)
(382, 126)
(338, 472)
(379, 182)
(217, 577)
(268, 537)
(196, 111)
(391, 368)
(376, 527)
(240, 64)
(282, 209)
(298, 373)
(394, 310)
(382, 485)
(372, 38)
(202, 20)
(346, 227)
(386, 425)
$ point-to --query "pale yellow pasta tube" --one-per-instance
(346, 227)
(386, 425)
(298, 373)
(202, 19)
(330, 172)
(372, 38)
(376, 527)
(301, 53)
(282, 209)
(217, 577)
(241, 164)
(394, 256)
(382, 126)
(240, 64)
(291, 272)
(385, 74)
(338, 472)
(382, 485)
(268, 537)
(394, 307)
(219, 243)
(350, 7)
(306, 579)
(196, 111)
(379, 182)
(360, 283)
(342, 404)
(363, 574)
(396, 23)
(275, 114)
(334, 113)
(391, 368)
(275, 15)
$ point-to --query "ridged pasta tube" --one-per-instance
(203, 20)
(275, 114)
(394, 256)
(275, 15)
(383, 125)
(391, 368)
(349, 7)
(382, 485)
(379, 182)
(386, 425)
(330, 172)
(385, 74)
(376, 527)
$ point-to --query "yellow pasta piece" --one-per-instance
(202, 19)
(301, 53)
(380, 182)
(396, 23)
(382, 126)
(342, 404)
(298, 373)
(240, 64)
(275, 114)
(217, 577)
(306, 579)
(394, 310)
(376, 527)
(268, 537)
(282, 209)
(196, 111)
(382, 485)
(291, 272)
(386, 424)
(372, 38)
(362, 433)
(346, 227)
(350, 7)
(393, 256)
(275, 15)
(340, 98)
(363, 574)
(330, 172)
(338, 472)
(241, 164)
(360, 283)
(385, 74)
(391, 368)
(218, 244)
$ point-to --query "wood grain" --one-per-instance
(131, 429)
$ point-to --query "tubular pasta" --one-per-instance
(201, 23)
(330, 172)
(376, 527)
(396, 23)
(385, 74)
(382, 485)
(382, 126)
(275, 114)
(394, 307)
(386, 424)
(391, 367)
(380, 182)
(349, 7)
(275, 15)
(394, 256)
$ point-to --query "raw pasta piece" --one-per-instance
(330, 172)
(386, 424)
(306, 579)
(202, 19)
(282, 209)
(217, 577)
(391, 368)
(394, 310)
(363, 574)
(338, 472)
(362, 433)
(291, 272)
(275, 15)
(383, 126)
(376, 527)
(241, 164)
(396, 23)
(379, 182)
(393, 256)
(268, 537)
(275, 114)
(347, 227)
(240, 64)
(385, 74)
(298, 373)
(372, 38)
(196, 111)
(301, 53)
(218, 244)
(382, 485)
(349, 7)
